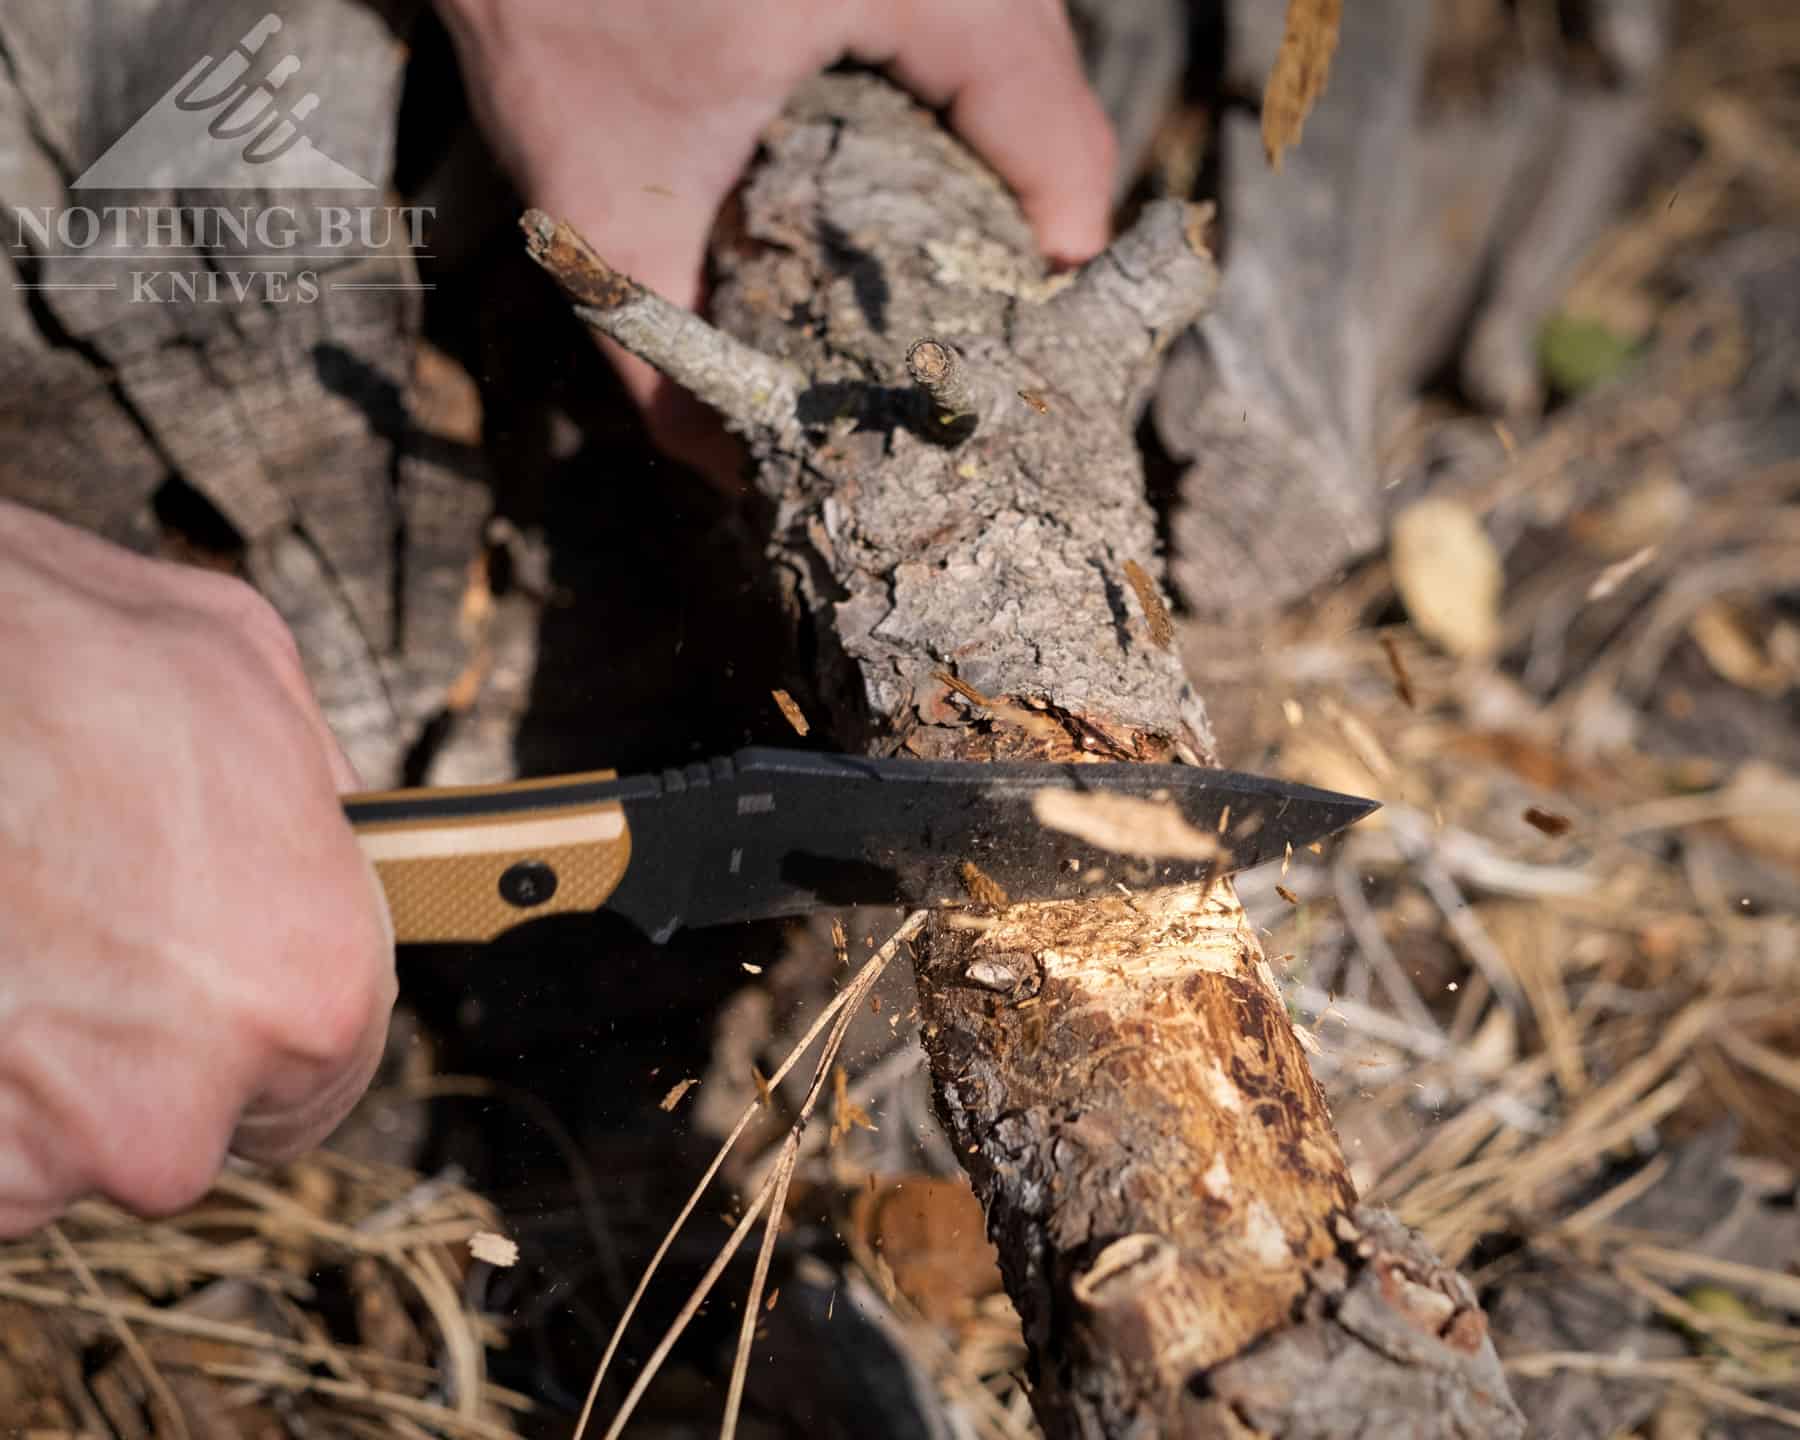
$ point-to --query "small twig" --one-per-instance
(1412, 833)
(776, 1190)
(115, 1317)
(754, 392)
(1688, 1374)
(1366, 928)
(772, 1190)
(850, 995)
(424, 1411)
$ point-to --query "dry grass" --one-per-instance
(215, 1321)
(1568, 948)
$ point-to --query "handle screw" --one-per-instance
(528, 883)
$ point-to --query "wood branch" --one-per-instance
(1175, 1219)
(749, 389)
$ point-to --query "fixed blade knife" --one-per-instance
(768, 833)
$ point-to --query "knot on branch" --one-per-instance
(943, 375)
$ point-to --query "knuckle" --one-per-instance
(351, 1003)
(162, 1176)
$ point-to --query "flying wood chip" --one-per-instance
(1156, 614)
(1298, 77)
(789, 709)
(494, 1249)
(983, 888)
(1125, 825)
(1548, 821)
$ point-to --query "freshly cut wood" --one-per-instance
(1174, 1217)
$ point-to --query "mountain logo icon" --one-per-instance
(220, 127)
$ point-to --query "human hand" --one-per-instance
(194, 955)
(633, 119)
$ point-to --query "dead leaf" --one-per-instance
(791, 711)
(1649, 513)
(1766, 810)
(1448, 575)
(494, 1249)
(1125, 825)
(1734, 652)
(928, 1238)
(1298, 77)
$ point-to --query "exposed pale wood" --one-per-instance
(1120, 1075)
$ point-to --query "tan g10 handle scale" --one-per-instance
(468, 862)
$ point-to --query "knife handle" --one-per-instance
(467, 862)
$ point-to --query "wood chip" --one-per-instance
(983, 888)
(1548, 821)
(494, 1249)
(791, 711)
(676, 1091)
(966, 690)
(845, 1112)
(1040, 727)
(1156, 614)
(1298, 77)
(1125, 825)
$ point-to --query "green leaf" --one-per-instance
(1578, 354)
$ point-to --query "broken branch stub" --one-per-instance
(1155, 1158)
(751, 391)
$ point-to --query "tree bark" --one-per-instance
(289, 420)
(1176, 1223)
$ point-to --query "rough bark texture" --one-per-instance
(1351, 273)
(289, 420)
(1173, 1212)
